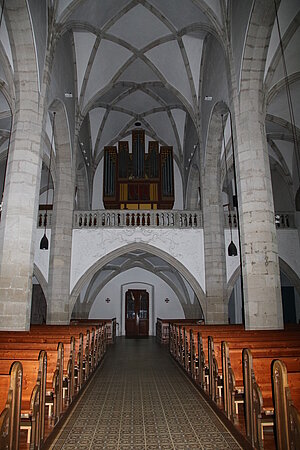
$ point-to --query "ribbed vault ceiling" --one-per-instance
(137, 61)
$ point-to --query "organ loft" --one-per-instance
(138, 179)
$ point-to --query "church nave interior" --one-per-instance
(149, 187)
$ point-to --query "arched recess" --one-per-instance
(39, 298)
(234, 298)
(232, 281)
(180, 289)
(290, 291)
(90, 272)
(284, 268)
(290, 273)
(41, 279)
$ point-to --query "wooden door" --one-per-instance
(136, 313)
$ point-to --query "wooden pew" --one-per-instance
(10, 405)
(286, 388)
(74, 358)
(54, 381)
(163, 327)
(214, 355)
(80, 346)
(258, 392)
(33, 396)
(238, 336)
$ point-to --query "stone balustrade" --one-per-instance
(139, 218)
(152, 218)
(230, 219)
(44, 218)
(283, 220)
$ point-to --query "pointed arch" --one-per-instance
(41, 279)
(98, 265)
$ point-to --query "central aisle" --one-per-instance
(139, 399)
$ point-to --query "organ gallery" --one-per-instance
(138, 179)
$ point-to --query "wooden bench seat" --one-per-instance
(200, 350)
(4, 386)
(94, 339)
(286, 388)
(258, 392)
(54, 376)
(11, 399)
(32, 405)
(73, 352)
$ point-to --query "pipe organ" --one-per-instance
(138, 180)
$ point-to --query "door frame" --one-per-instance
(138, 285)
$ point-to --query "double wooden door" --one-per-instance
(136, 313)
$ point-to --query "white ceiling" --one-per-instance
(140, 60)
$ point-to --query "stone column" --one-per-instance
(262, 294)
(213, 226)
(21, 194)
(61, 231)
(261, 280)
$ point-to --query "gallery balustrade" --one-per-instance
(151, 218)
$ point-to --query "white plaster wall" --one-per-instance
(115, 290)
(232, 262)
(41, 257)
(185, 245)
(289, 248)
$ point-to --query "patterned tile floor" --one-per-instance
(139, 399)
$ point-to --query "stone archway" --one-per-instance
(98, 265)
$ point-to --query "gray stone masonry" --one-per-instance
(18, 220)
(61, 235)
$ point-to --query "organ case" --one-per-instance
(138, 180)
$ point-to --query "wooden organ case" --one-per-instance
(138, 180)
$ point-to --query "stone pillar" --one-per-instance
(262, 294)
(61, 231)
(213, 226)
(19, 215)
(81, 310)
(261, 280)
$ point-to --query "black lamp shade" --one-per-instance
(297, 200)
(235, 201)
(232, 250)
(44, 244)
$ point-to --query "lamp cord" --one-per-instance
(226, 171)
(48, 181)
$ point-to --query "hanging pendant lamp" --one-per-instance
(44, 244)
(232, 250)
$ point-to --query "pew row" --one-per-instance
(217, 360)
(286, 388)
(70, 355)
(11, 392)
